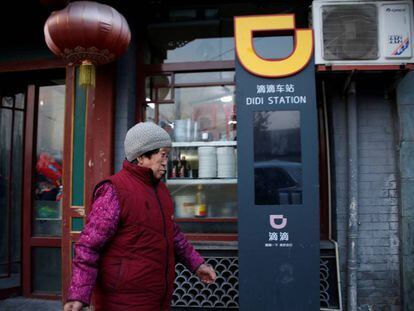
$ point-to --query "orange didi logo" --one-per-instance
(244, 28)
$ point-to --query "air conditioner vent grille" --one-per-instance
(350, 32)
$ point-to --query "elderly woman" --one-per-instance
(126, 251)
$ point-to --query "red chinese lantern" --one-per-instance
(87, 33)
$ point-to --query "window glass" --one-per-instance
(17, 180)
(158, 88)
(200, 114)
(219, 199)
(46, 269)
(150, 112)
(7, 101)
(201, 175)
(204, 77)
(48, 171)
(20, 100)
(162, 93)
(207, 34)
(11, 160)
(207, 49)
(191, 40)
(277, 158)
(201, 120)
(6, 119)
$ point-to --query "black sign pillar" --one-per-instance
(278, 191)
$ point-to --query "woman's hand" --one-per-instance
(73, 306)
(206, 273)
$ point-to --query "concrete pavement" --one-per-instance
(23, 304)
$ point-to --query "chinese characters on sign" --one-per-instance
(285, 95)
(275, 88)
(282, 238)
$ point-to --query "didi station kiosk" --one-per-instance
(278, 184)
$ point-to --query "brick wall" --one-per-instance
(405, 100)
(378, 238)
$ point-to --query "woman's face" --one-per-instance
(157, 162)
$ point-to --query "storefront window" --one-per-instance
(202, 176)
(277, 158)
(201, 41)
(215, 49)
(208, 49)
(48, 194)
(200, 114)
(204, 77)
(159, 88)
(191, 39)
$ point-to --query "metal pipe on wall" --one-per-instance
(352, 235)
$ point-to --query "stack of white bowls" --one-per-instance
(183, 130)
(207, 162)
(226, 162)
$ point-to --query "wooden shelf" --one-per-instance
(204, 143)
(201, 181)
(212, 237)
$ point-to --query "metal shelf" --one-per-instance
(204, 143)
(201, 181)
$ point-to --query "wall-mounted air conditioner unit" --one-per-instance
(363, 32)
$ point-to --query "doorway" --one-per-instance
(12, 115)
(31, 115)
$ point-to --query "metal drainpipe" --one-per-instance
(352, 196)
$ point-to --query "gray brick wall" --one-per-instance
(405, 101)
(378, 240)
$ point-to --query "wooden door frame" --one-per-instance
(16, 67)
(98, 159)
(29, 164)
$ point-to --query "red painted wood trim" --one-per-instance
(74, 236)
(27, 186)
(45, 242)
(67, 179)
(76, 212)
(211, 237)
(99, 130)
(14, 66)
(45, 296)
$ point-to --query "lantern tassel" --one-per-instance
(87, 74)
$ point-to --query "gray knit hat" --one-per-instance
(144, 137)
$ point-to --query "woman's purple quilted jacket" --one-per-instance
(100, 226)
